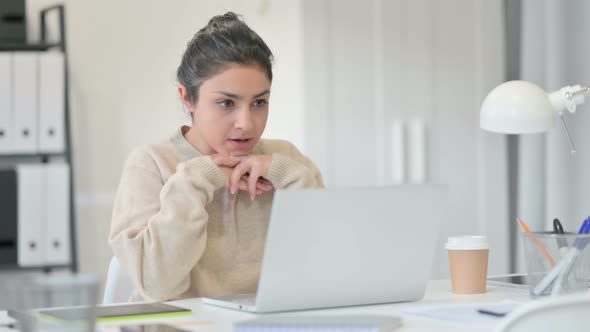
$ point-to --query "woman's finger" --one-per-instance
(243, 185)
(263, 186)
(260, 184)
(239, 170)
(252, 181)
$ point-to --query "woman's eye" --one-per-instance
(260, 102)
(226, 103)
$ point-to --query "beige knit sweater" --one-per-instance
(177, 230)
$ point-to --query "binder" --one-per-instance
(30, 209)
(51, 102)
(5, 102)
(8, 221)
(57, 214)
(24, 100)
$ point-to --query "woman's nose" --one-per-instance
(244, 119)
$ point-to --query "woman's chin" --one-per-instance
(239, 153)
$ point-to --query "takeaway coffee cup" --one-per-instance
(468, 261)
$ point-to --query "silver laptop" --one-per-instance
(344, 247)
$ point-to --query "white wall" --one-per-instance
(123, 59)
(370, 64)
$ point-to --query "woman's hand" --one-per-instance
(255, 167)
(227, 166)
(221, 160)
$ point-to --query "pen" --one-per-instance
(491, 313)
(558, 229)
(565, 264)
(526, 229)
(577, 248)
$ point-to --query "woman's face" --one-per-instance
(231, 112)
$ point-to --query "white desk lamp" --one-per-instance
(520, 107)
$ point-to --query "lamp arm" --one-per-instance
(583, 90)
(567, 98)
(567, 134)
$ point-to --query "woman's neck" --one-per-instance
(194, 138)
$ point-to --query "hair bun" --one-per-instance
(226, 39)
(221, 21)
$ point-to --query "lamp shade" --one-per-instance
(517, 107)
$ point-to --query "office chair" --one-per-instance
(119, 285)
(563, 313)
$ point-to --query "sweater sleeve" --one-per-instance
(158, 230)
(290, 169)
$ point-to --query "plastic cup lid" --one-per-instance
(474, 242)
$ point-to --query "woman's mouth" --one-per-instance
(241, 142)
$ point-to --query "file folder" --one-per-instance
(57, 214)
(5, 102)
(51, 102)
(8, 224)
(30, 209)
(24, 101)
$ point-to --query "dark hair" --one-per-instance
(226, 39)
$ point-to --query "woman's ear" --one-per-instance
(184, 96)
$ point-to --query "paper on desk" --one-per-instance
(465, 314)
(4, 321)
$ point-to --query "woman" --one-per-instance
(191, 213)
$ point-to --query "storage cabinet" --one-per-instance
(37, 219)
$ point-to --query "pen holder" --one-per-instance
(556, 263)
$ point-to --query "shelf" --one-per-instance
(10, 159)
(14, 267)
(5, 47)
(33, 155)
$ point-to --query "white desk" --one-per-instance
(210, 318)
